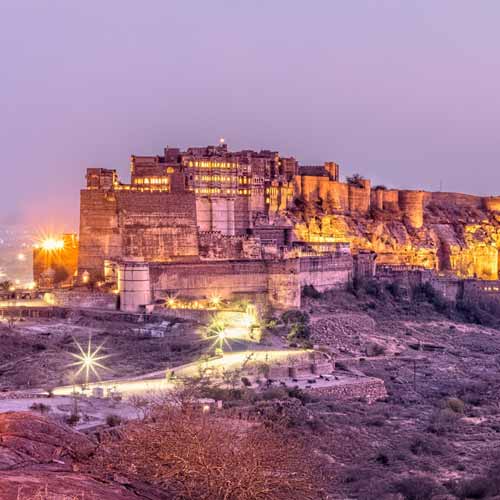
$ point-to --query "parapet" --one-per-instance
(101, 178)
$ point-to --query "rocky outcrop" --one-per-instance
(40, 458)
(460, 234)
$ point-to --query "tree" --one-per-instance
(6, 285)
(356, 180)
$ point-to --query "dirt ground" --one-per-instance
(437, 434)
(36, 354)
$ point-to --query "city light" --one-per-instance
(21, 257)
(215, 300)
(88, 361)
(51, 244)
(216, 331)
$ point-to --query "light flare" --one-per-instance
(89, 361)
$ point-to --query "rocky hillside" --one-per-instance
(41, 459)
(461, 238)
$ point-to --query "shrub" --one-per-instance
(195, 455)
(382, 459)
(426, 444)
(355, 180)
(480, 309)
(41, 407)
(426, 292)
(72, 419)
(274, 393)
(456, 405)
(473, 393)
(395, 289)
(377, 421)
(477, 487)
(311, 292)
(246, 382)
(443, 421)
(295, 316)
(374, 349)
(113, 420)
(374, 288)
(302, 396)
(417, 488)
(299, 331)
(299, 320)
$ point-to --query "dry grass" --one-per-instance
(195, 455)
(44, 494)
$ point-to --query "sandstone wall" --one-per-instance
(203, 279)
(326, 272)
(391, 199)
(284, 284)
(337, 195)
(359, 197)
(449, 287)
(411, 204)
(377, 199)
(100, 236)
(156, 226)
(370, 389)
(281, 280)
(241, 214)
(218, 246)
(492, 203)
(82, 298)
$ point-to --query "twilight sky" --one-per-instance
(404, 92)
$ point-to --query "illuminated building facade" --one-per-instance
(202, 218)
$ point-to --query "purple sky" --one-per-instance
(404, 92)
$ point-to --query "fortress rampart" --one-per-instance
(207, 220)
(492, 203)
(153, 226)
(411, 204)
(279, 280)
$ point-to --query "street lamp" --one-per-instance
(88, 361)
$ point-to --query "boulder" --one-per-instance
(44, 459)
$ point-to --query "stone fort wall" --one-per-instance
(149, 225)
(280, 280)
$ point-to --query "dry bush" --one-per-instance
(454, 404)
(194, 455)
(418, 488)
(43, 493)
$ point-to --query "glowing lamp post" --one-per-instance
(216, 330)
(88, 361)
(215, 301)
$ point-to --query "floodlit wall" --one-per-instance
(412, 205)
(281, 280)
(155, 226)
(492, 203)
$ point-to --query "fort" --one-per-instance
(208, 221)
